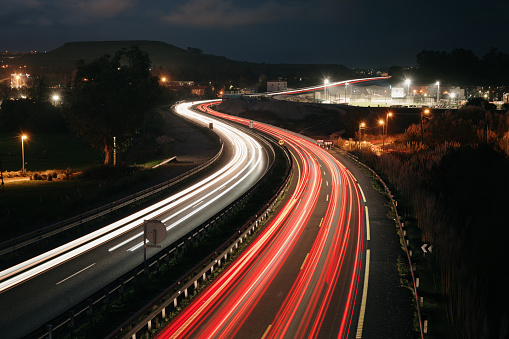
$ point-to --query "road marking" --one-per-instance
(305, 259)
(69, 277)
(368, 233)
(327, 182)
(360, 324)
(266, 331)
(327, 198)
(320, 223)
(362, 192)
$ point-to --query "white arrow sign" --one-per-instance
(430, 248)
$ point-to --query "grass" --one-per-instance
(46, 151)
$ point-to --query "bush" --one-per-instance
(36, 176)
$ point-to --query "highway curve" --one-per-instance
(35, 291)
(300, 277)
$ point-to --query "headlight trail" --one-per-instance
(225, 309)
(247, 158)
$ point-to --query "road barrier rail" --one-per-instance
(82, 312)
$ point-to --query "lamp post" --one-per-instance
(346, 88)
(361, 127)
(389, 114)
(23, 137)
(381, 122)
(326, 81)
(426, 111)
(438, 93)
(55, 98)
(407, 82)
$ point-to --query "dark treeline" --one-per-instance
(461, 66)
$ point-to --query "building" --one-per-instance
(277, 86)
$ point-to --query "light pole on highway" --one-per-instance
(426, 111)
(326, 82)
(23, 137)
(407, 82)
(346, 88)
(389, 114)
(382, 123)
(438, 93)
(361, 127)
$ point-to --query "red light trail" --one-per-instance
(318, 298)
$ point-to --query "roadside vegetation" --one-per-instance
(453, 187)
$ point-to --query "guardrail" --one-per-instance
(84, 310)
(398, 219)
(190, 282)
(32, 237)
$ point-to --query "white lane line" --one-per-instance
(360, 324)
(368, 233)
(327, 198)
(69, 277)
(362, 192)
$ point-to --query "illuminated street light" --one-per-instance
(382, 123)
(361, 127)
(23, 137)
(346, 87)
(426, 111)
(55, 98)
(438, 92)
(389, 114)
(326, 82)
(407, 82)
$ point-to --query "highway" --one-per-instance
(300, 277)
(36, 290)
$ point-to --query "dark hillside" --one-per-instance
(182, 64)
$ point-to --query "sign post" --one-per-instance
(155, 232)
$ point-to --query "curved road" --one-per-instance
(37, 290)
(300, 277)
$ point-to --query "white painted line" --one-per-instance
(320, 223)
(362, 192)
(368, 233)
(360, 324)
(327, 198)
(69, 277)
(327, 183)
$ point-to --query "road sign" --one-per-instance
(156, 231)
(281, 142)
(429, 248)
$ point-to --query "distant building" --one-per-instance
(397, 92)
(277, 86)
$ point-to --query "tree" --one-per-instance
(109, 97)
(480, 102)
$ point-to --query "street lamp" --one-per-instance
(438, 93)
(23, 137)
(389, 114)
(326, 81)
(55, 98)
(346, 87)
(407, 82)
(361, 126)
(426, 111)
(381, 122)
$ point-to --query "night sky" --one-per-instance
(355, 33)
